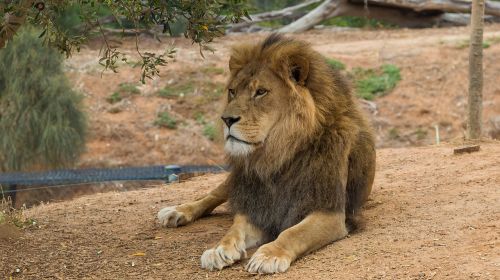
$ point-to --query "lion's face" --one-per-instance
(256, 101)
(271, 111)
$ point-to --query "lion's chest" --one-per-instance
(267, 207)
(274, 207)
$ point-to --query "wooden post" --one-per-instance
(475, 100)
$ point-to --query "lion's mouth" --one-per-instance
(231, 137)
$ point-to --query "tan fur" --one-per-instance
(183, 214)
(302, 157)
(241, 236)
(315, 231)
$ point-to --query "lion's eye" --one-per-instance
(261, 92)
(231, 93)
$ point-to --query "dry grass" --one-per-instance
(11, 215)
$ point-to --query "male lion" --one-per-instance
(301, 156)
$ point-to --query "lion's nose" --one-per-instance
(230, 120)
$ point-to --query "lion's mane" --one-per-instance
(320, 158)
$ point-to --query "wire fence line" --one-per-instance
(78, 177)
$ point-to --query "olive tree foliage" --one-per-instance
(42, 124)
(205, 20)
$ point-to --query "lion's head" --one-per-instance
(280, 94)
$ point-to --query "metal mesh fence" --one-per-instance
(95, 175)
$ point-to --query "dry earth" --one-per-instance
(432, 215)
(432, 91)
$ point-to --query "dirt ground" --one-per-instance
(432, 92)
(432, 215)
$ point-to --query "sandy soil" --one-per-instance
(432, 92)
(432, 215)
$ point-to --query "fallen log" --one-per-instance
(317, 15)
(288, 12)
(449, 6)
(406, 13)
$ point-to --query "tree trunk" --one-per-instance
(314, 17)
(475, 105)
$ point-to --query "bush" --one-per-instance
(209, 131)
(124, 90)
(466, 43)
(176, 90)
(335, 64)
(165, 120)
(13, 216)
(41, 121)
(114, 98)
(357, 22)
(128, 89)
(376, 82)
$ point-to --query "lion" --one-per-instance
(301, 157)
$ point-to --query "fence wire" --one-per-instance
(72, 177)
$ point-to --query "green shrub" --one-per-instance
(271, 5)
(123, 91)
(466, 43)
(128, 89)
(394, 133)
(165, 120)
(42, 124)
(69, 17)
(421, 133)
(200, 118)
(210, 131)
(356, 22)
(114, 98)
(176, 90)
(335, 64)
(13, 216)
(376, 82)
(277, 23)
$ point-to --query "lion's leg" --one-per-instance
(183, 214)
(232, 247)
(315, 231)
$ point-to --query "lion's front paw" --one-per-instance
(269, 258)
(173, 217)
(222, 256)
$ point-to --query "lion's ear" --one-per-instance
(299, 69)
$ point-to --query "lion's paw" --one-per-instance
(269, 258)
(173, 217)
(222, 256)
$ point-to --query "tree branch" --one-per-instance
(12, 22)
